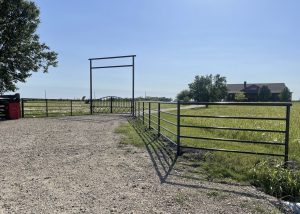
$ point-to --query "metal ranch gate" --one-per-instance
(102, 104)
(112, 105)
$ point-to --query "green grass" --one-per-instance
(242, 135)
(219, 165)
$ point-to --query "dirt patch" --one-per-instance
(77, 165)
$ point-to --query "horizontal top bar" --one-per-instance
(112, 57)
(112, 66)
(227, 103)
(161, 102)
(233, 117)
(239, 103)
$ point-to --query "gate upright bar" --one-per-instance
(132, 65)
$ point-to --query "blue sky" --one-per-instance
(244, 40)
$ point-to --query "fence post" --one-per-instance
(46, 107)
(287, 134)
(135, 109)
(139, 110)
(111, 105)
(149, 111)
(22, 104)
(178, 129)
(158, 120)
(71, 108)
(143, 112)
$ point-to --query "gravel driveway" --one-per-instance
(77, 165)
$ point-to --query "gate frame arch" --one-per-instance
(132, 65)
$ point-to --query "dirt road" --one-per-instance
(77, 165)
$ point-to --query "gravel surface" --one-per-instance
(77, 165)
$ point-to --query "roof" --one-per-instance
(274, 87)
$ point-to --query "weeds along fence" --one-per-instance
(247, 128)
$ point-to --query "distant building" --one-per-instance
(251, 90)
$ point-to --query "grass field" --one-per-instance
(220, 165)
(250, 111)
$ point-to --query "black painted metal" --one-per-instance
(149, 115)
(71, 106)
(158, 118)
(287, 134)
(143, 113)
(22, 106)
(178, 125)
(232, 129)
(178, 129)
(231, 117)
(132, 65)
(47, 108)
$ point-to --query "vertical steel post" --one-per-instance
(143, 112)
(111, 105)
(71, 108)
(158, 119)
(178, 129)
(287, 134)
(22, 104)
(91, 87)
(132, 86)
(46, 107)
(149, 116)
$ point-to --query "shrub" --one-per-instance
(277, 181)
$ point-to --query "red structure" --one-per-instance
(10, 105)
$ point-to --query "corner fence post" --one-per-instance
(178, 129)
(111, 105)
(158, 119)
(91, 87)
(71, 108)
(46, 107)
(149, 111)
(287, 134)
(143, 113)
(22, 106)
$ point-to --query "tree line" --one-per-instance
(211, 88)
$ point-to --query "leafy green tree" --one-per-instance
(285, 95)
(208, 88)
(240, 97)
(219, 88)
(20, 49)
(184, 95)
(264, 93)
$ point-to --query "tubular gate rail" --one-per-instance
(31, 107)
(153, 118)
(53, 107)
(112, 104)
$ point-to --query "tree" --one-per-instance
(184, 95)
(240, 97)
(264, 93)
(219, 88)
(20, 49)
(208, 88)
(285, 95)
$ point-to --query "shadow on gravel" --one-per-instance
(163, 157)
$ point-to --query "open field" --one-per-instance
(220, 165)
(80, 165)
